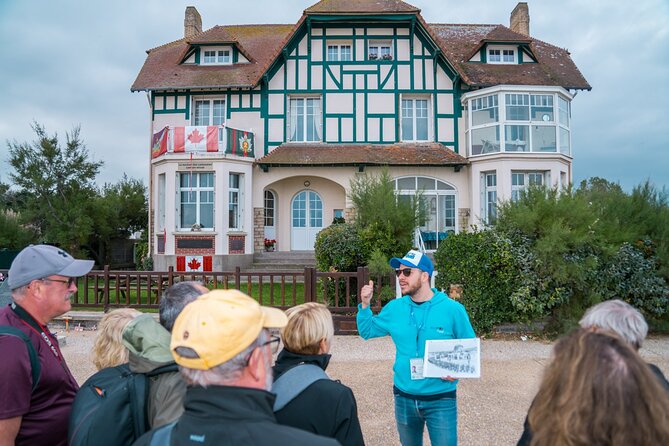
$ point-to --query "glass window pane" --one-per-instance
(406, 183)
(426, 183)
(201, 113)
(345, 52)
(485, 110)
(207, 215)
(219, 112)
(542, 107)
(563, 106)
(543, 138)
(485, 140)
(564, 141)
(444, 186)
(517, 107)
(517, 138)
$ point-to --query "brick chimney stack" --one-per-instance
(520, 19)
(192, 22)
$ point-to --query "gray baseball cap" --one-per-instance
(39, 261)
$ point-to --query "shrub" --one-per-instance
(483, 263)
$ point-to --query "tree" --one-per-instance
(120, 210)
(58, 186)
(385, 220)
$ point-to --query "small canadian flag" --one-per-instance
(193, 264)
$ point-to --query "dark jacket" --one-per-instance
(224, 415)
(326, 407)
(149, 345)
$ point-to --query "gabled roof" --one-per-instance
(400, 154)
(361, 7)
(259, 43)
(262, 45)
(554, 65)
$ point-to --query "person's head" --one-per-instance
(175, 298)
(619, 317)
(43, 278)
(413, 271)
(597, 388)
(108, 348)
(309, 330)
(223, 338)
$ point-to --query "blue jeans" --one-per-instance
(441, 417)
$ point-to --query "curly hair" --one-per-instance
(598, 390)
(108, 349)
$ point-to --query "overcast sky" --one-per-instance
(71, 62)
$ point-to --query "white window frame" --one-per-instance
(338, 54)
(196, 191)
(488, 196)
(380, 50)
(236, 197)
(534, 99)
(432, 189)
(269, 211)
(414, 118)
(212, 118)
(216, 56)
(529, 178)
(503, 55)
(298, 116)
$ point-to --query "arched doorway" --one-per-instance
(306, 220)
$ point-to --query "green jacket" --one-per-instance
(149, 346)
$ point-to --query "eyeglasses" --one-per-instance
(406, 272)
(70, 281)
(273, 343)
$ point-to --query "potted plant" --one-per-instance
(269, 244)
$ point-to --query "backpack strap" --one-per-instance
(36, 368)
(163, 435)
(293, 382)
(169, 367)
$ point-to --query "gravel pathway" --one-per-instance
(491, 409)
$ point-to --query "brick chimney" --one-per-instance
(192, 22)
(520, 19)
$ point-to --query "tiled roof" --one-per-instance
(361, 7)
(554, 66)
(402, 154)
(260, 43)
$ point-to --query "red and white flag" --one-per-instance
(196, 138)
(193, 264)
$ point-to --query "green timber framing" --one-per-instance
(258, 98)
(406, 21)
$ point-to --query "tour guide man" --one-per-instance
(421, 313)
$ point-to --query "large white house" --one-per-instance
(259, 129)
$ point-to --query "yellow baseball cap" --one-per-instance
(218, 325)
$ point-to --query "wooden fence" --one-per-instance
(106, 289)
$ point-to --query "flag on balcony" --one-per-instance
(240, 142)
(159, 143)
(196, 138)
(192, 264)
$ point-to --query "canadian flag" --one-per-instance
(193, 264)
(196, 138)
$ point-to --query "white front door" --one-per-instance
(306, 220)
(270, 215)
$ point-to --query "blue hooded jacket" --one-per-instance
(410, 325)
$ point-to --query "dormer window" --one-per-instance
(379, 51)
(501, 55)
(217, 57)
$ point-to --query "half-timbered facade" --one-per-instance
(259, 129)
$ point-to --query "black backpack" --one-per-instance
(110, 408)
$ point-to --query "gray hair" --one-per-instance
(619, 317)
(226, 373)
(174, 299)
(19, 293)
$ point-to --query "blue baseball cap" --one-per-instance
(414, 259)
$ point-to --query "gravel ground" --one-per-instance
(491, 409)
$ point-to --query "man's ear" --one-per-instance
(256, 367)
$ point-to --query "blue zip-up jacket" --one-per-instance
(438, 318)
